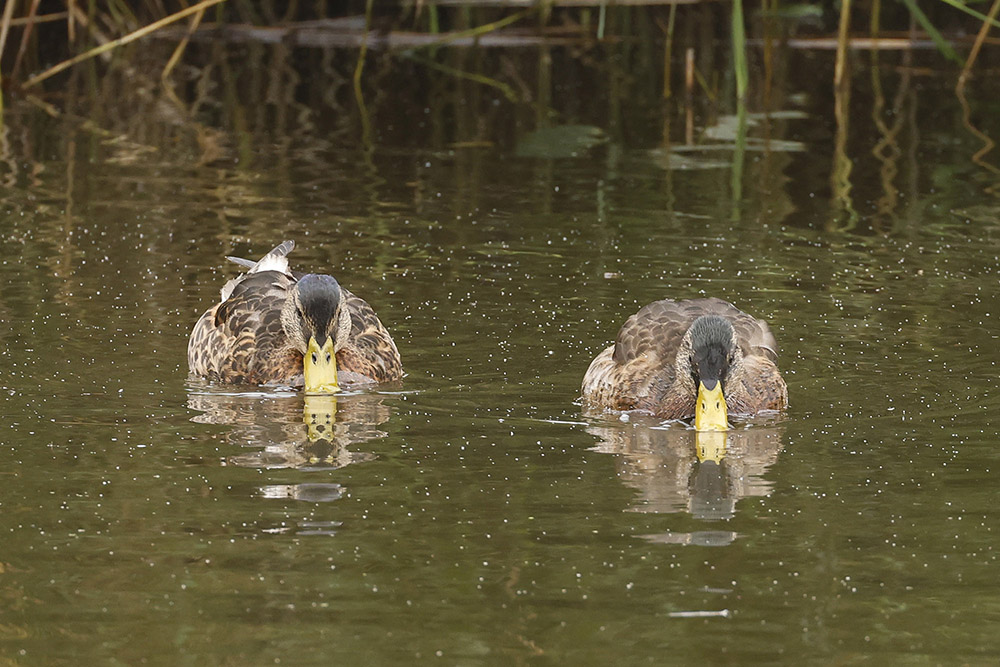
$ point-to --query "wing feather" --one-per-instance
(370, 350)
(242, 339)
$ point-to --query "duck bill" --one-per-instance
(320, 367)
(710, 408)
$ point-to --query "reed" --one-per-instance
(740, 51)
(942, 44)
(121, 41)
(401, 28)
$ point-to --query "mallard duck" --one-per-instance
(678, 359)
(274, 326)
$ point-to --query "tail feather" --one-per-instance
(247, 263)
(275, 260)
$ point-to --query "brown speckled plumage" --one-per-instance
(648, 368)
(242, 339)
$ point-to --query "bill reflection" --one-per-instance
(675, 469)
(294, 431)
(308, 434)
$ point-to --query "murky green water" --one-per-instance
(471, 514)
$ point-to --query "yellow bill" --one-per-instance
(710, 409)
(320, 368)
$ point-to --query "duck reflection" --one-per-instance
(676, 469)
(294, 431)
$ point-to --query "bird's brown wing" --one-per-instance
(241, 340)
(655, 332)
(370, 350)
(640, 365)
(764, 388)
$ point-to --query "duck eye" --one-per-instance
(328, 358)
(315, 358)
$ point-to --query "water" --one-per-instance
(472, 514)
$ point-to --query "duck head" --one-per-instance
(710, 355)
(318, 323)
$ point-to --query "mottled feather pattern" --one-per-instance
(369, 351)
(242, 341)
(640, 371)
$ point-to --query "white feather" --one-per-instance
(228, 288)
(272, 261)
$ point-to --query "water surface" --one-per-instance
(472, 513)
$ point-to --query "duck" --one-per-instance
(699, 358)
(276, 326)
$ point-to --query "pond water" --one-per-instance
(472, 513)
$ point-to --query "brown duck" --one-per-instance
(678, 359)
(274, 326)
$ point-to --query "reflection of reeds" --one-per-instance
(942, 44)
(988, 144)
(614, 39)
(740, 51)
(113, 44)
(433, 23)
(403, 27)
(886, 150)
(840, 173)
(980, 39)
(8, 13)
(359, 97)
(842, 32)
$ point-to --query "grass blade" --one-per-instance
(943, 46)
(972, 12)
(740, 51)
